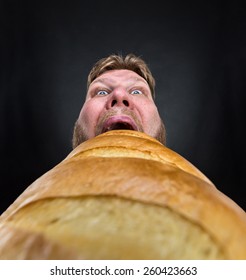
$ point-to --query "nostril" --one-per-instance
(126, 103)
(113, 103)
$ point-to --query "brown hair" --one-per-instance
(129, 62)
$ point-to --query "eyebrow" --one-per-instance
(105, 80)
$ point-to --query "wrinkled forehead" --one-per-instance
(113, 77)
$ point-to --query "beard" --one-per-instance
(80, 134)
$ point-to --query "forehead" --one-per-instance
(116, 76)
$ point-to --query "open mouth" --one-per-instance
(119, 123)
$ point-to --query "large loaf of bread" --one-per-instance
(123, 195)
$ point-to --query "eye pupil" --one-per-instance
(136, 91)
(102, 92)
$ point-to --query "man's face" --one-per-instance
(118, 99)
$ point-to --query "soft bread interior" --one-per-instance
(107, 227)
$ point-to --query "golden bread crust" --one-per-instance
(134, 167)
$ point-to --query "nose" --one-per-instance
(119, 98)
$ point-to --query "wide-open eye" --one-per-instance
(102, 92)
(136, 91)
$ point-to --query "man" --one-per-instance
(120, 95)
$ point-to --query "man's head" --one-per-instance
(120, 95)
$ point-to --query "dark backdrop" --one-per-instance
(195, 51)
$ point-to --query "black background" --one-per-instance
(196, 51)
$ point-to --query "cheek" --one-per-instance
(150, 115)
(89, 114)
